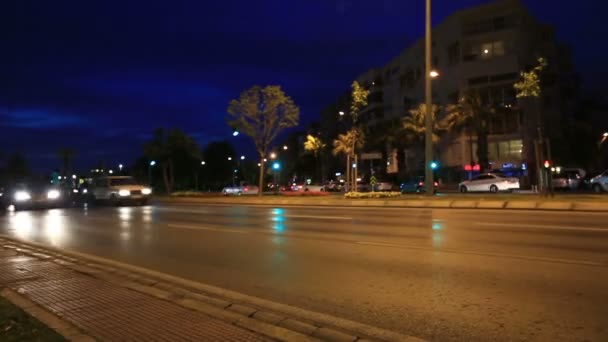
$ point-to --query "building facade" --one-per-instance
(483, 48)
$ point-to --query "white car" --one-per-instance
(599, 183)
(244, 189)
(308, 187)
(119, 189)
(489, 182)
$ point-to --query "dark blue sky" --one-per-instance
(99, 76)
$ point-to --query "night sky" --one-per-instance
(99, 76)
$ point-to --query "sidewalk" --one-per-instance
(104, 311)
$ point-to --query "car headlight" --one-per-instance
(53, 194)
(22, 196)
(75, 191)
(146, 191)
(124, 193)
(84, 191)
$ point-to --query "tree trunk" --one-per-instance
(196, 180)
(165, 169)
(262, 167)
(171, 176)
(347, 173)
(482, 150)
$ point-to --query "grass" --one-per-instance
(17, 325)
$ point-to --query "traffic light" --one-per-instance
(547, 164)
(276, 166)
(434, 165)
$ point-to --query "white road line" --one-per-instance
(377, 244)
(193, 227)
(318, 217)
(541, 226)
(488, 254)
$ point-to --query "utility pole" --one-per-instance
(428, 141)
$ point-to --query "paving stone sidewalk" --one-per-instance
(106, 311)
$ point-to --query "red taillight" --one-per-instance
(436, 184)
(421, 184)
(246, 189)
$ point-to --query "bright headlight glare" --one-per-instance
(22, 196)
(124, 193)
(146, 191)
(84, 191)
(53, 194)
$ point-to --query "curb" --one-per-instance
(275, 320)
(444, 203)
(62, 327)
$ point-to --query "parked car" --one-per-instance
(118, 190)
(491, 182)
(566, 181)
(308, 187)
(243, 189)
(33, 194)
(333, 186)
(383, 186)
(416, 185)
(599, 183)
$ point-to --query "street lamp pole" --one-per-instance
(428, 141)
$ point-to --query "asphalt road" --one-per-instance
(444, 275)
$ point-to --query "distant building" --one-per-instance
(484, 48)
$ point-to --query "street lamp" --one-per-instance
(203, 162)
(285, 147)
(341, 113)
(119, 167)
(434, 74)
(235, 133)
(242, 157)
(428, 122)
(229, 158)
(273, 155)
(604, 137)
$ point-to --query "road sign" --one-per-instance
(369, 156)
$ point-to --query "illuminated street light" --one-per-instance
(434, 74)
(120, 167)
(73, 176)
(111, 171)
(273, 155)
(203, 162)
(285, 147)
(153, 162)
(276, 166)
(265, 160)
(259, 164)
(341, 113)
(242, 157)
(235, 133)
(229, 158)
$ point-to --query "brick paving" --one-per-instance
(109, 312)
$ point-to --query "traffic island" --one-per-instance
(111, 301)
(595, 203)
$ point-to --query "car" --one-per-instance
(243, 189)
(33, 194)
(566, 181)
(416, 185)
(308, 187)
(489, 182)
(118, 190)
(599, 183)
(383, 186)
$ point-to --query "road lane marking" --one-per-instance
(487, 254)
(194, 227)
(317, 217)
(541, 226)
(377, 244)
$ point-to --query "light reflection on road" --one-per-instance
(55, 227)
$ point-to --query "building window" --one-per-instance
(492, 49)
(454, 53)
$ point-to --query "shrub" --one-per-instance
(383, 194)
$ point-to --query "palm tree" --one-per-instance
(472, 115)
(315, 146)
(65, 155)
(415, 125)
(346, 144)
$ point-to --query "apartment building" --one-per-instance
(483, 48)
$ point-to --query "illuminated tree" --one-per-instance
(261, 114)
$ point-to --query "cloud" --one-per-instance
(39, 119)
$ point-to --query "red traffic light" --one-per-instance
(547, 164)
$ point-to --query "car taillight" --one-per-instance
(436, 184)
(420, 183)
(245, 189)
